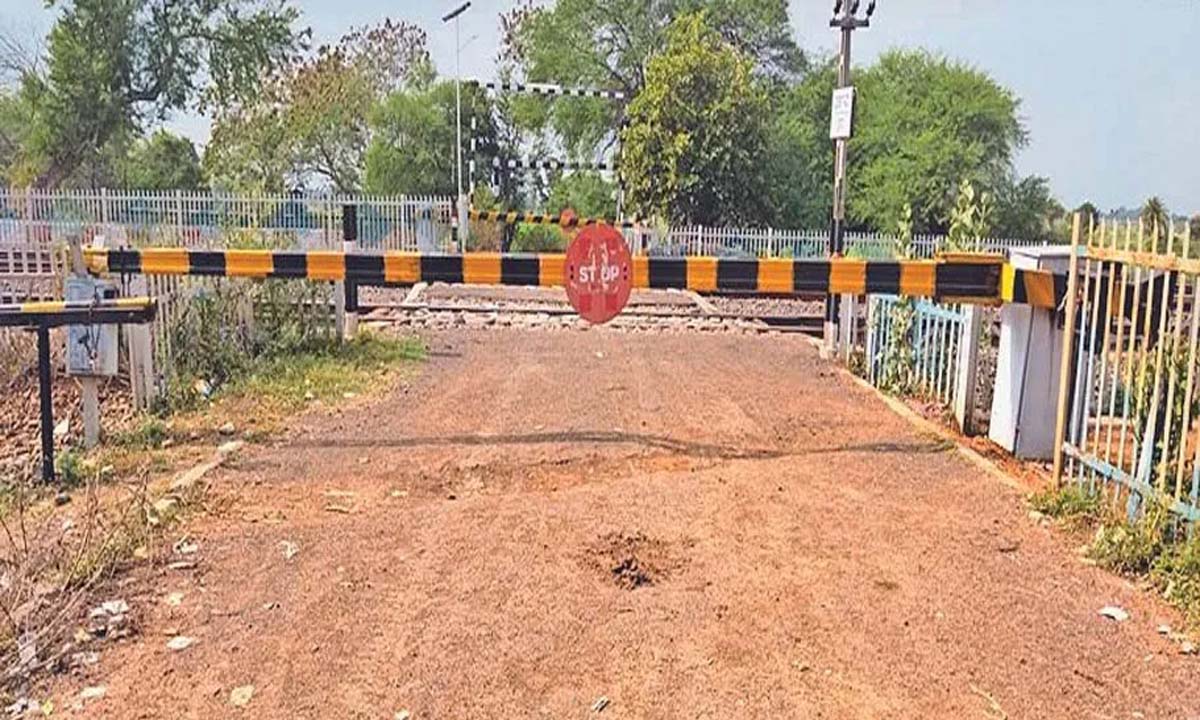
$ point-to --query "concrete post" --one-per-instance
(968, 364)
(89, 386)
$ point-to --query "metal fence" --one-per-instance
(203, 219)
(928, 352)
(1128, 418)
(770, 242)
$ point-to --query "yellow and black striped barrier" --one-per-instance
(1032, 287)
(512, 217)
(972, 278)
(55, 313)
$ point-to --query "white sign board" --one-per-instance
(841, 113)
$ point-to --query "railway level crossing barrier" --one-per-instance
(43, 315)
(967, 278)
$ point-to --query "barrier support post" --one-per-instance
(346, 296)
(47, 408)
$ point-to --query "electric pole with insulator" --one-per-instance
(845, 18)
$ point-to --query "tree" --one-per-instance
(114, 64)
(611, 43)
(800, 155)
(312, 118)
(1155, 217)
(1194, 230)
(16, 126)
(413, 136)
(162, 161)
(694, 148)
(1089, 214)
(1025, 209)
(925, 124)
(587, 193)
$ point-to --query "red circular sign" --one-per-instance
(598, 273)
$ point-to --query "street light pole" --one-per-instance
(462, 208)
(845, 18)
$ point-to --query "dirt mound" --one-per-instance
(632, 560)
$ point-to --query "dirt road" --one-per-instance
(688, 526)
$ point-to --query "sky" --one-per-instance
(1109, 88)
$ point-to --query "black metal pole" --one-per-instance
(847, 22)
(47, 409)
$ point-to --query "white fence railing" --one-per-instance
(203, 219)
(770, 242)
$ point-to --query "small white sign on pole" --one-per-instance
(841, 113)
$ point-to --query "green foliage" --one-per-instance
(1148, 399)
(312, 117)
(113, 64)
(1025, 209)
(150, 433)
(970, 220)
(1154, 547)
(1177, 574)
(1089, 214)
(799, 162)
(611, 43)
(924, 125)
(695, 145)
(1133, 548)
(899, 362)
(17, 124)
(69, 468)
(413, 136)
(289, 379)
(1070, 503)
(538, 239)
(1155, 217)
(587, 193)
(162, 161)
(226, 328)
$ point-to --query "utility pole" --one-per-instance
(462, 208)
(845, 18)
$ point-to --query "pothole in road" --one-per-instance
(632, 560)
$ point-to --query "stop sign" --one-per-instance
(598, 273)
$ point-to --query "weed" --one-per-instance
(1177, 574)
(290, 380)
(1069, 503)
(151, 433)
(70, 468)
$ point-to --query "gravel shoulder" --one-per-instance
(686, 525)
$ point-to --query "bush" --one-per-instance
(539, 239)
(1133, 548)
(1177, 573)
(151, 433)
(225, 329)
(1071, 503)
(69, 467)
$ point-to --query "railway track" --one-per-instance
(686, 316)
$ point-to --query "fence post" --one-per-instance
(1064, 370)
(846, 331)
(967, 366)
(346, 296)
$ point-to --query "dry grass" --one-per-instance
(55, 558)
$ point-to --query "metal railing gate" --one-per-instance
(1129, 395)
